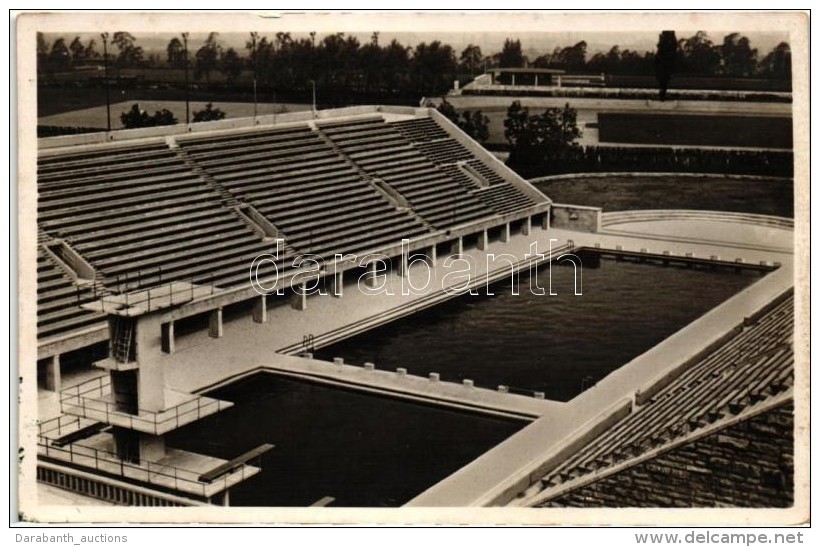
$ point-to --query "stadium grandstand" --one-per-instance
(143, 229)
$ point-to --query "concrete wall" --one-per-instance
(577, 218)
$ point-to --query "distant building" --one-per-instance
(526, 76)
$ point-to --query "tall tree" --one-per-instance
(129, 54)
(572, 58)
(475, 124)
(778, 62)
(511, 55)
(471, 60)
(42, 54)
(176, 53)
(699, 54)
(665, 60)
(739, 59)
(433, 68)
(77, 51)
(207, 58)
(230, 64)
(59, 57)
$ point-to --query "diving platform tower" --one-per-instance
(133, 404)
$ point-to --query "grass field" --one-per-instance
(622, 193)
(675, 129)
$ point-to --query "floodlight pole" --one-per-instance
(187, 98)
(313, 86)
(253, 48)
(104, 37)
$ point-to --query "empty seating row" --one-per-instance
(444, 151)
(100, 156)
(504, 198)
(487, 172)
(432, 193)
(142, 226)
(420, 129)
(320, 203)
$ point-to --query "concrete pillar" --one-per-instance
(338, 283)
(483, 241)
(215, 323)
(513, 77)
(457, 249)
(433, 255)
(505, 233)
(226, 498)
(298, 300)
(260, 310)
(536, 79)
(527, 227)
(404, 267)
(545, 221)
(151, 376)
(53, 376)
(168, 338)
(372, 274)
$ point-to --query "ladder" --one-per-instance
(122, 340)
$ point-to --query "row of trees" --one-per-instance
(341, 61)
(695, 55)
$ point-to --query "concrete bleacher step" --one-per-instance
(420, 129)
(225, 195)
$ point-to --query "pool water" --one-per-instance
(363, 450)
(554, 344)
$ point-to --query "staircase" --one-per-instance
(228, 199)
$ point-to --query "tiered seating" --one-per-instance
(504, 198)
(457, 174)
(382, 151)
(485, 171)
(755, 365)
(420, 129)
(140, 214)
(318, 201)
(444, 151)
(59, 300)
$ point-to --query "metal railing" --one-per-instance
(86, 400)
(166, 476)
(131, 295)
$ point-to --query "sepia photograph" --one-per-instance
(412, 267)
